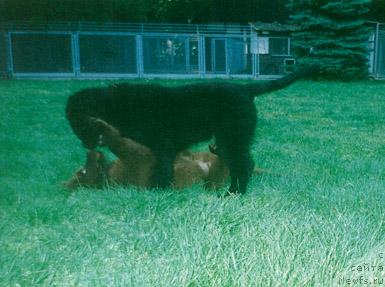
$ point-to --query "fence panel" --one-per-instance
(42, 53)
(170, 55)
(216, 55)
(108, 54)
(272, 54)
(193, 56)
(239, 56)
(228, 55)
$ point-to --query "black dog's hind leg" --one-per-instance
(234, 148)
(164, 166)
(241, 166)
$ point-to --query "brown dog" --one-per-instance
(135, 164)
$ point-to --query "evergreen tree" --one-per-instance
(333, 33)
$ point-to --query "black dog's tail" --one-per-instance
(257, 89)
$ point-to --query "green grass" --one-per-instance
(319, 212)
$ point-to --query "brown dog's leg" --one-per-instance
(93, 174)
(125, 149)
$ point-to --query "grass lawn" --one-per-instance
(317, 219)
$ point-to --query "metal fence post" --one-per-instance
(288, 46)
(139, 55)
(201, 56)
(376, 48)
(228, 56)
(9, 54)
(187, 54)
(75, 54)
(254, 46)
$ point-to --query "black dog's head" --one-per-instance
(81, 106)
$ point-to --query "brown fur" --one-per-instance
(135, 165)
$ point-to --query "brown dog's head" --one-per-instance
(93, 174)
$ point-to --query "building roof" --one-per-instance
(273, 27)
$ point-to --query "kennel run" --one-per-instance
(90, 50)
(124, 50)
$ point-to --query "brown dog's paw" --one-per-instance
(213, 149)
(99, 127)
(98, 124)
(105, 131)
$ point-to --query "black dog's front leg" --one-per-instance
(164, 169)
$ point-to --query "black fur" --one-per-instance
(169, 119)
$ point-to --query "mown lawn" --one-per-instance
(313, 219)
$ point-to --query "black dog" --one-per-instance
(169, 119)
